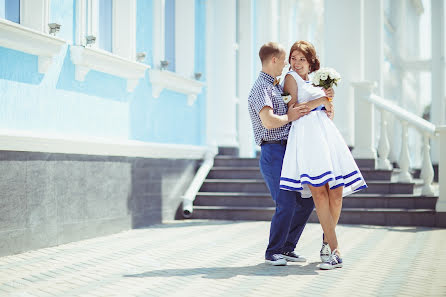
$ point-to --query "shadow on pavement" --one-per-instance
(229, 272)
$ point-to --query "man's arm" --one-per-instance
(270, 120)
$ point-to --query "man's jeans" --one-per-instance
(292, 212)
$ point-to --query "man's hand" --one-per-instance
(296, 111)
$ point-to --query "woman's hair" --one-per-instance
(308, 50)
(270, 49)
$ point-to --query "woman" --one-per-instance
(317, 161)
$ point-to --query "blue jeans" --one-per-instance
(292, 212)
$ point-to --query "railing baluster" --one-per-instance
(404, 160)
(384, 146)
(427, 171)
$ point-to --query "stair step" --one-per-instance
(254, 162)
(384, 217)
(232, 172)
(353, 201)
(259, 186)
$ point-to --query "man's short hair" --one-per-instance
(270, 49)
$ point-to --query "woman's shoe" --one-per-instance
(333, 262)
(325, 252)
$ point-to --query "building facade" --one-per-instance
(107, 107)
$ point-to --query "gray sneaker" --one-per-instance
(293, 257)
(325, 252)
(276, 260)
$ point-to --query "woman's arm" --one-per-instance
(290, 87)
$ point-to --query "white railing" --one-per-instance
(365, 104)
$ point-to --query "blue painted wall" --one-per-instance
(100, 106)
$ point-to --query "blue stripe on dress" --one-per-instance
(317, 177)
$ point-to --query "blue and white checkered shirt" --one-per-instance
(264, 93)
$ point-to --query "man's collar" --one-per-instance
(266, 76)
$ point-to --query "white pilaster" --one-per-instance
(223, 39)
(438, 67)
(364, 117)
(441, 203)
(373, 44)
(343, 25)
(185, 37)
(246, 137)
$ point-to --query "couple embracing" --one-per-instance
(304, 159)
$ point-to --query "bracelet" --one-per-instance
(329, 99)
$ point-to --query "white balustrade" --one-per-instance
(404, 160)
(365, 104)
(384, 146)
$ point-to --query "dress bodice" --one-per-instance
(305, 89)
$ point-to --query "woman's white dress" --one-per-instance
(316, 152)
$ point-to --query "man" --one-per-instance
(271, 118)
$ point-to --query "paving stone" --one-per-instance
(220, 258)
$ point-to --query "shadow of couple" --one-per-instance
(229, 272)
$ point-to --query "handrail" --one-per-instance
(197, 182)
(403, 114)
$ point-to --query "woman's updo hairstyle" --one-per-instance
(308, 50)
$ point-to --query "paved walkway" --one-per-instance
(219, 258)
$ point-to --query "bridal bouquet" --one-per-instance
(326, 78)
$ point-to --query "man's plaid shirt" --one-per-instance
(264, 93)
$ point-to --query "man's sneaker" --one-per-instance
(293, 257)
(276, 260)
(325, 252)
(333, 262)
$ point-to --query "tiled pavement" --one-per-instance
(220, 258)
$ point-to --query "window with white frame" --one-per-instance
(174, 36)
(110, 23)
(10, 10)
(105, 24)
(169, 34)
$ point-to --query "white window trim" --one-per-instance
(53, 143)
(182, 80)
(163, 79)
(121, 62)
(184, 36)
(21, 38)
(35, 14)
(86, 59)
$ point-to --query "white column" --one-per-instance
(441, 203)
(124, 28)
(222, 72)
(438, 64)
(211, 100)
(246, 137)
(373, 43)
(343, 25)
(364, 117)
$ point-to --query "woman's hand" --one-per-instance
(329, 92)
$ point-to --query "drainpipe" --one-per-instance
(200, 176)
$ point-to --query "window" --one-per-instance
(169, 34)
(105, 25)
(10, 10)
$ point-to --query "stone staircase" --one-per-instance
(235, 190)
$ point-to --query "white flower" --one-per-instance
(324, 76)
(286, 99)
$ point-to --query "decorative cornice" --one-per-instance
(20, 38)
(86, 59)
(163, 79)
(30, 142)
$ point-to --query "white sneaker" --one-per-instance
(333, 262)
(325, 252)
